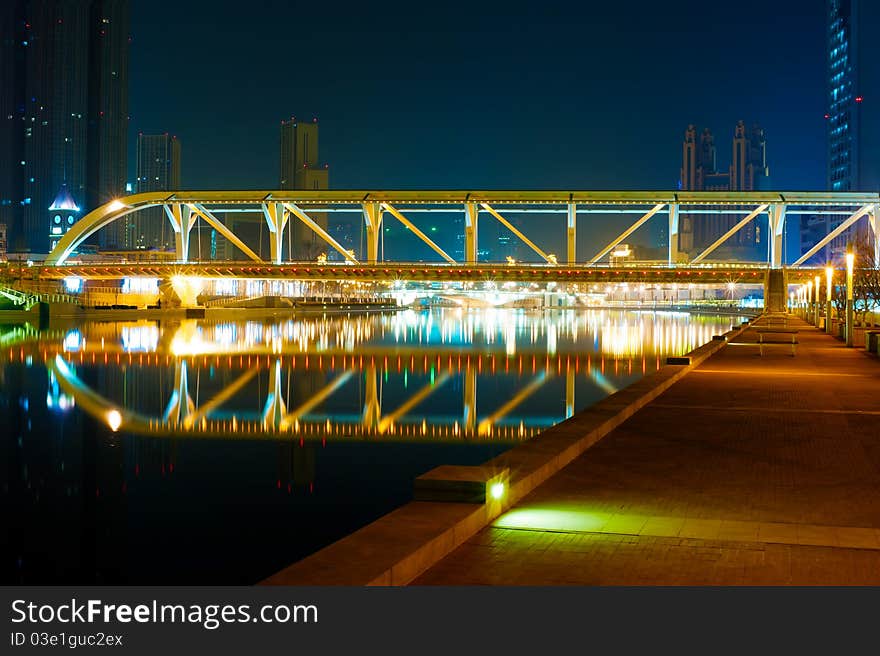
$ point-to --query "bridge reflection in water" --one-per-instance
(255, 443)
(365, 378)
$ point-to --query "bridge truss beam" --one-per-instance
(182, 208)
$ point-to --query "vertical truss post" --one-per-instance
(569, 393)
(777, 227)
(471, 213)
(373, 224)
(571, 233)
(181, 405)
(372, 408)
(469, 418)
(182, 220)
(274, 410)
(276, 218)
(673, 234)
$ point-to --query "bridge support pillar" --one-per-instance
(775, 288)
(469, 418)
(471, 213)
(373, 225)
(571, 233)
(777, 228)
(182, 220)
(276, 218)
(673, 234)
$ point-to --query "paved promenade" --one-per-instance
(750, 470)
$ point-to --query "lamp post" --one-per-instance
(829, 274)
(850, 262)
(818, 280)
(808, 310)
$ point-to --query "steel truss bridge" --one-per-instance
(183, 209)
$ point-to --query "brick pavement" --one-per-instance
(750, 470)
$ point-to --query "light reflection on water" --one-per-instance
(154, 434)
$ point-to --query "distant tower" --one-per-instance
(699, 172)
(108, 114)
(158, 169)
(300, 169)
(63, 213)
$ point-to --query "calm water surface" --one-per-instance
(195, 452)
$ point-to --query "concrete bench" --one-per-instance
(790, 340)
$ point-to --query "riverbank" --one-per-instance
(750, 471)
(404, 543)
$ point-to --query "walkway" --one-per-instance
(750, 470)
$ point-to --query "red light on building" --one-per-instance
(827, 116)
(859, 99)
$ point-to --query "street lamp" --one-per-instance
(818, 279)
(829, 274)
(809, 300)
(850, 263)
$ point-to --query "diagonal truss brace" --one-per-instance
(220, 227)
(831, 235)
(727, 235)
(485, 426)
(507, 224)
(626, 233)
(227, 393)
(388, 421)
(323, 234)
(291, 418)
(421, 235)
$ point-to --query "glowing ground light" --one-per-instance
(496, 491)
(114, 420)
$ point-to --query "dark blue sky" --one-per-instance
(583, 95)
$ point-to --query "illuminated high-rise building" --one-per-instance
(301, 169)
(63, 109)
(158, 169)
(852, 112)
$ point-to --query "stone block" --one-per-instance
(460, 484)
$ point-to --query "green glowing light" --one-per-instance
(497, 490)
(550, 519)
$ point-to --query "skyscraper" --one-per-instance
(63, 107)
(108, 114)
(748, 171)
(158, 169)
(852, 114)
(300, 169)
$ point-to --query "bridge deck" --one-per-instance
(749, 470)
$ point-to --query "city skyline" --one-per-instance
(588, 136)
(208, 160)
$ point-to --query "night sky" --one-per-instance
(580, 95)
